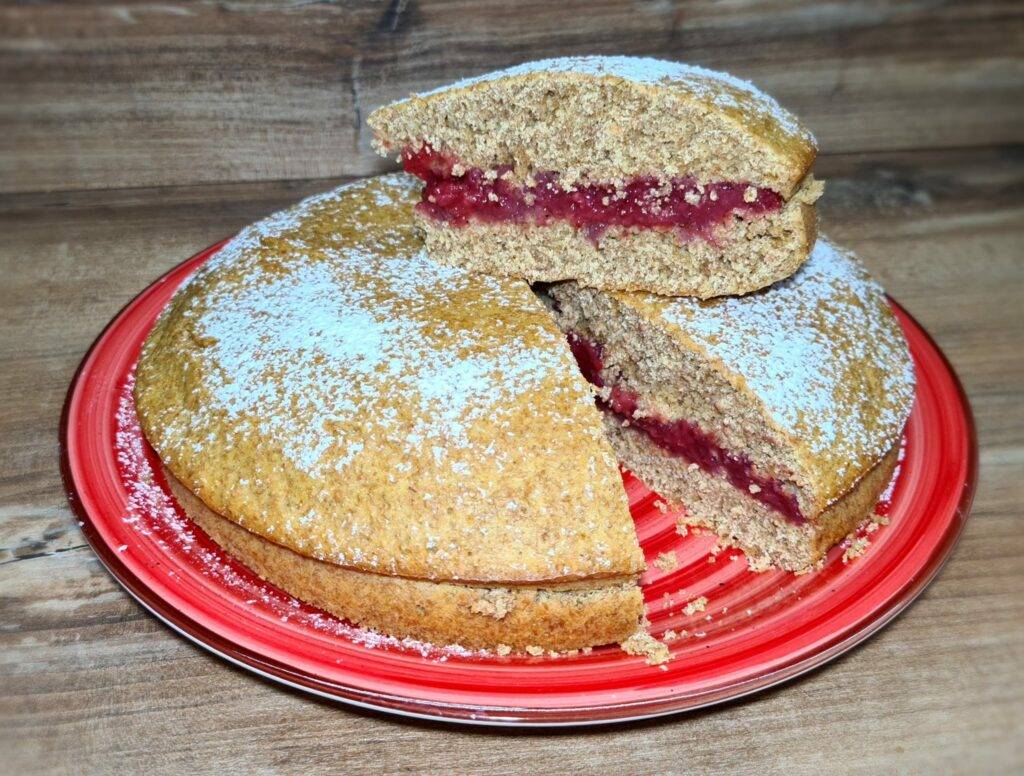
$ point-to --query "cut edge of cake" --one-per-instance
(746, 255)
(737, 520)
(786, 405)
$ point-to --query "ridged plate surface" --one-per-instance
(756, 630)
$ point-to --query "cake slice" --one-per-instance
(403, 444)
(619, 172)
(774, 418)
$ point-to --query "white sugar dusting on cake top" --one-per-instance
(296, 348)
(324, 384)
(725, 90)
(820, 350)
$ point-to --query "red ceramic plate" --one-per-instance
(757, 629)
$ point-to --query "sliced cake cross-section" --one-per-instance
(774, 418)
(619, 172)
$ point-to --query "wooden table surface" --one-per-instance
(134, 134)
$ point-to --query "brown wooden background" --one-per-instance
(133, 134)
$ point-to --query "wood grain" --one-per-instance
(126, 94)
(133, 134)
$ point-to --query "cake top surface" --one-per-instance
(821, 351)
(324, 384)
(722, 89)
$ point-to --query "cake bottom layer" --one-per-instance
(745, 254)
(766, 537)
(556, 618)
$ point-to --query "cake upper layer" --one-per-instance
(821, 352)
(607, 119)
(323, 384)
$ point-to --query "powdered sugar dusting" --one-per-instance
(153, 514)
(330, 388)
(725, 90)
(297, 349)
(821, 351)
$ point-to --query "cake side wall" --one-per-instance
(435, 612)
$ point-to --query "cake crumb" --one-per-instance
(759, 565)
(534, 650)
(503, 650)
(669, 635)
(667, 561)
(643, 643)
(813, 567)
(660, 505)
(696, 605)
(812, 191)
(682, 529)
(857, 548)
(495, 603)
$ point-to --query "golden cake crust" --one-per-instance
(607, 118)
(324, 385)
(821, 353)
(560, 618)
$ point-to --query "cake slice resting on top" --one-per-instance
(619, 172)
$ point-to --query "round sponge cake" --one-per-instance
(321, 384)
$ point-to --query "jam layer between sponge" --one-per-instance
(456, 195)
(683, 438)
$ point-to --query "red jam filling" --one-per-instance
(685, 439)
(457, 195)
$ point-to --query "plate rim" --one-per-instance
(504, 716)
